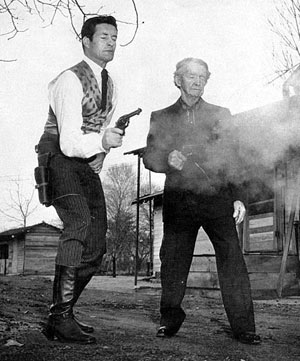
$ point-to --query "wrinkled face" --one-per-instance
(192, 80)
(101, 48)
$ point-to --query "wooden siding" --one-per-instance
(263, 269)
(203, 272)
(41, 249)
(20, 256)
(263, 272)
(260, 233)
(157, 238)
(256, 263)
(207, 280)
(40, 260)
(14, 257)
(202, 246)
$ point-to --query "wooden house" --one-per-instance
(29, 250)
(269, 235)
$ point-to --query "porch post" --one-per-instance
(139, 152)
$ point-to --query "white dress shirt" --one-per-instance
(65, 98)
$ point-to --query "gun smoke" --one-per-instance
(252, 144)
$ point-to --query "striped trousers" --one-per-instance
(79, 202)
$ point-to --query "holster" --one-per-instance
(42, 177)
(49, 146)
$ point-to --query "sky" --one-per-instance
(232, 36)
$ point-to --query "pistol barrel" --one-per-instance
(136, 112)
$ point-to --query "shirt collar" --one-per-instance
(95, 67)
(195, 106)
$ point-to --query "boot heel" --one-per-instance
(60, 338)
(49, 332)
(61, 324)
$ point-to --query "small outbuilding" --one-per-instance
(29, 250)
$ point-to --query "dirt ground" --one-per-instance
(126, 318)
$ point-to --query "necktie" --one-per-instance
(104, 77)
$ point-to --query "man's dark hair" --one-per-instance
(88, 28)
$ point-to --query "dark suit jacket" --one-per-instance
(195, 132)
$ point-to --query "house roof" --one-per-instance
(147, 197)
(20, 232)
(138, 151)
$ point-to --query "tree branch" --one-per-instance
(136, 24)
(287, 29)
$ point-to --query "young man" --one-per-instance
(194, 197)
(76, 139)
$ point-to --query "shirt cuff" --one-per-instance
(102, 149)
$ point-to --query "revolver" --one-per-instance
(123, 121)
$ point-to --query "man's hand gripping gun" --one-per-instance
(123, 122)
(192, 152)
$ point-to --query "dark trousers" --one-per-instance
(80, 204)
(176, 256)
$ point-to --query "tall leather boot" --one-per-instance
(84, 275)
(61, 323)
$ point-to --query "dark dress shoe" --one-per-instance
(249, 338)
(164, 331)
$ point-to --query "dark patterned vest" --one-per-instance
(93, 117)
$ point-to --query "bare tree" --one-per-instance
(286, 25)
(19, 206)
(120, 191)
(14, 14)
(146, 227)
(20, 203)
(119, 187)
